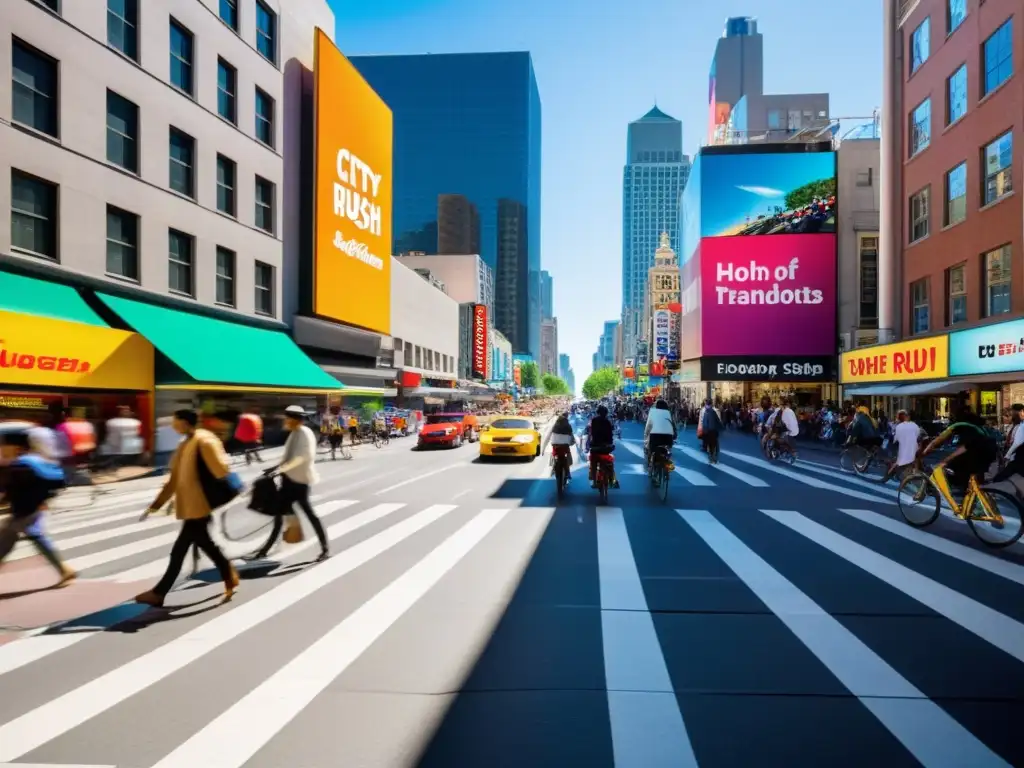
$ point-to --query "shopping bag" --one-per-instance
(264, 498)
(293, 530)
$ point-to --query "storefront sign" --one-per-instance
(995, 348)
(353, 168)
(44, 352)
(813, 368)
(480, 341)
(915, 359)
(27, 403)
(662, 332)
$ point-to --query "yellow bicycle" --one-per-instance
(993, 515)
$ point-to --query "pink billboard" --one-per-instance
(768, 295)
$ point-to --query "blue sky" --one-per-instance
(742, 187)
(601, 64)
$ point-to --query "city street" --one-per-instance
(765, 615)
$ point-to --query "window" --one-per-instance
(865, 177)
(264, 118)
(956, 290)
(956, 95)
(225, 276)
(181, 58)
(226, 186)
(264, 288)
(920, 44)
(868, 247)
(227, 80)
(182, 163)
(998, 58)
(920, 127)
(956, 12)
(33, 215)
(123, 27)
(266, 32)
(919, 302)
(956, 195)
(997, 281)
(264, 205)
(34, 89)
(122, 132)
(229, 13)
(180, 249)
(997, 160)
(919, 215)
(122, 243)
(774, 119)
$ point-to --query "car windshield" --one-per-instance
(511, 424)
(444, 418)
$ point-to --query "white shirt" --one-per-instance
(124, 437)
(301, 443)
(1018, 440)
(659, 422)
(790, 422)
(906, 436)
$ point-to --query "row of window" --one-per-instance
(34, 229)
(995, 272)
(425, 359)
(997, 68)
(996, 159)
(921, 37)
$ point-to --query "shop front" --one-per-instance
(55, 351)
(992, 359)
(224, 368)
(809, 380)
(912, 375)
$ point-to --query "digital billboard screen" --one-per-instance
(353, 190)
(768, 257)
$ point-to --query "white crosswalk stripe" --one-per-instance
(646, 723)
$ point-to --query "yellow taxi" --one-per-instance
(511, 436)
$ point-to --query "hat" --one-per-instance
(295, 412)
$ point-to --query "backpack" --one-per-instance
(710, 421)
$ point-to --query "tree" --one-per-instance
(369, 408)
(802, 196)
(554, 385)
(601, 382)
(529, 375)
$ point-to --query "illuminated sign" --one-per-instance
(910, 360)
(995, 348)
(662, 332)
(480, 340)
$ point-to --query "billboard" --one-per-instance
(910, 360)
(353, 194)
(997, 348)
(480, 341)
(662, 333)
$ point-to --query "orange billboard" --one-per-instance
(353, 178)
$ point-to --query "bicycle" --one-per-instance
(919, 487)
(561, 467)
(774, 450)
(857, 458)
(603, 475)
(659, 468)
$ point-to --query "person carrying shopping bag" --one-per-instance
(298, 474)
(200, 481)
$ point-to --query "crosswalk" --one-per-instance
(717, 630)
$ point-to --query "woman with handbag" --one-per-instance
(200, 482)
(298, 473)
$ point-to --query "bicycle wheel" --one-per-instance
(560, 477)
(852, 457)
(602, 487)
(1002, 534)
(918, 500)
(663, 487)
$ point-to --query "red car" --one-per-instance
(450, 430)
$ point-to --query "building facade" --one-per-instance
(547, 296)
(425, 325)
(605, 355)
(458, 225)
(653, 180)
(477, 116)
(662, 291)
(549, 346)
(466, 277)
(500, 372)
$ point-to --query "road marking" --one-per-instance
(646, 723)
(990, 625)
(811, 481)
(98, 536)
(231, 739)
(929, 733)
(743, 477)
(964, 554)
(462, 493)
(52, 765)
(433, 472)
(31, 730)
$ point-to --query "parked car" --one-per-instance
(450, 430)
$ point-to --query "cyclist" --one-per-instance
(762, 417)
(602, 442)
(710, 427)
(660, 430)
(562, 435)
(786, 426)
(974, 453)
(907, 436)
(864, 430)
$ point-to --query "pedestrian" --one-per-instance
(31, 478)
(298, 473)
(191, 503)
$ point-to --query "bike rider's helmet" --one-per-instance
(602, 411)
(661, 405)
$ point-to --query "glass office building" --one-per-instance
(470, 124)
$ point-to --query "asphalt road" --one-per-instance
(764, 616)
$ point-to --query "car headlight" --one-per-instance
(522, 439)
(449, 430)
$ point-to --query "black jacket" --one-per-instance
(562, 427)
(601, 432)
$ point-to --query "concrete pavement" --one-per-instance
(765, 615)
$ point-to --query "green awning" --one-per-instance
(45, 299)
(219, 352)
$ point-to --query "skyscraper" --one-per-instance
(470, 124)
(458, 225)
(737, 68)
(547, 295)
(652, 182)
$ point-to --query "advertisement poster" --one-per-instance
(675, 328)
(353, 188)
(480, 343)
(991, 349)
(768, 295)
(662, 332)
